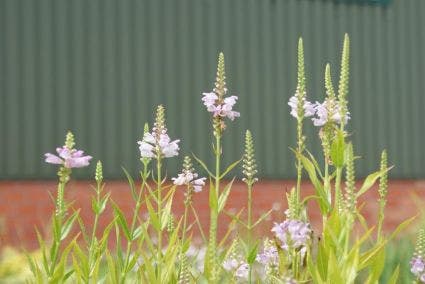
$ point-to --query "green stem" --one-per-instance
(326, 188)
(299, 165)
(250, 228)
(96, 220)
(58, 219)
(381, 219)
(212, 242)
(159, 202)
(338, 188)
(133, 225)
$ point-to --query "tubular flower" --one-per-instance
(269, 256)
(189, 178)
(69, 158)
(242, 271)
(230, 264)
(329, 111)
(157, 142)
(220, 109)
(292, 234)
(153, 144)
(417, 266)
(309, 108)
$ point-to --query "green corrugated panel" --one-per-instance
(100, 67)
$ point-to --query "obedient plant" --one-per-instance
(154, 245)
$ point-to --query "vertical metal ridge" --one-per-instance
(99, 68)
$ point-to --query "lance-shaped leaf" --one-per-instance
(337, 150)
(121, 221)
(229, 168)
(224, 195)
(370, 181)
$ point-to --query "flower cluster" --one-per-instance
(153, 144)
(220, 108)
(309, 108)
(68, 157)
(158, 143)
(417, 267)
(269, 256)
(328, 111)
(292, 234)
(240, 268)
(189, 178)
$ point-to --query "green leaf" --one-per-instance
(394, 276)
(252, 254)
(213, 202)
(314, 162)
(229, 168)
(103, 202)
(377, 266)
(67, 226)
(337, 150)
(94, 205)
(131, 183)
(370, 181)
(262, 217)
(122, 222)
(224, 195)
(203, 165)
(324, 199)
(167, 210)
(137, 233)
(153, 217)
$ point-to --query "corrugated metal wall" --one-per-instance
(100, 67)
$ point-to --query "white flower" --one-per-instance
(242, 271)
(230, 264)
(189, 178)
(292, 233)
(224, 109)
(198, 184)
(322, 112)
(150, 145)
(309, 108)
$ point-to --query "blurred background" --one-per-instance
(99, 68)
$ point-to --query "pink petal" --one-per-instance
(53, 159)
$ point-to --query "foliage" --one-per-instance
(159, 249)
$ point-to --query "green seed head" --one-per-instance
(69, 140)
(350, 191)
(344, 76)
(383, 181)
(99, 172)
(249, 164)
(220, 83)
(420, 244)
(301, 88)
(187, 165)
(159, 125)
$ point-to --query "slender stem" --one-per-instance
(250, 227)
(159, 202)
(133, 225)
(212, 242)
(58, 219)
(381, 219)
(300, 143)
(184, 223)
(327, 189)
(93, 236)
(338, 188)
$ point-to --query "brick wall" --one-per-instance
(25, 205)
